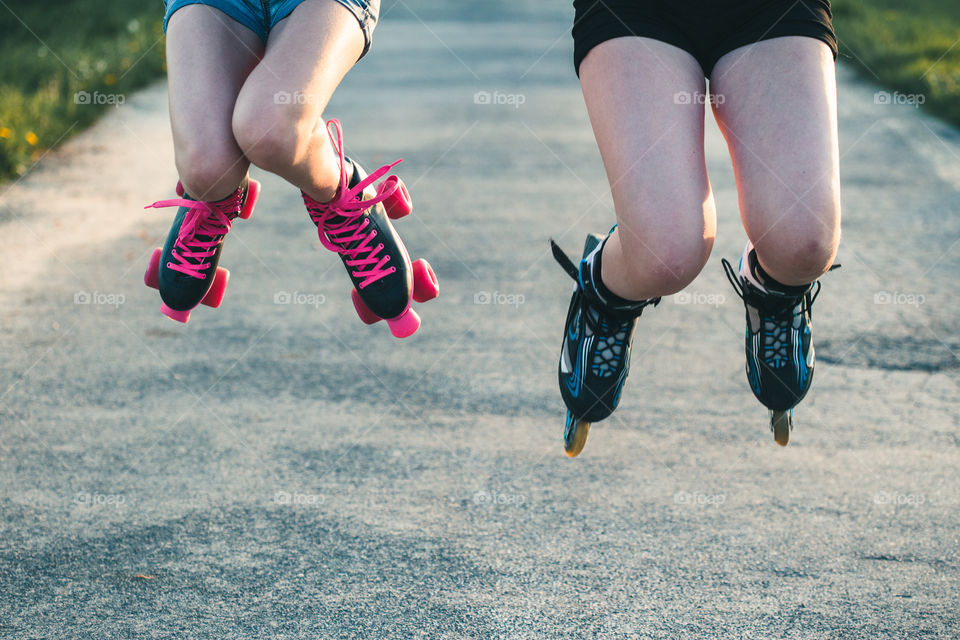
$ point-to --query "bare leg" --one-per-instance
(777, 108)
(641, 96)
(278, 119)
(208, 58)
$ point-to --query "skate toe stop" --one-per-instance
(405, 325)
(173, 314)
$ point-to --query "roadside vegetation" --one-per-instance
(64, 63)
(912, 48)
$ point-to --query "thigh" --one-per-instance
(209, 56)
(308, 54)
(646, 106)
(776, 104)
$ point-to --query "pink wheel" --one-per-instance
(425, 284)
(406, 325)
(179, 188)
(253, 192)
(173, 314)
(219, 287)
(399, 203)
(151, 277)
(367, 316)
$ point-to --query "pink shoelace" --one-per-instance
(341, 223)
(203, 227)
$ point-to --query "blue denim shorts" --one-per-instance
(260, 16)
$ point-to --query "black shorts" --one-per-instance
(707, 29)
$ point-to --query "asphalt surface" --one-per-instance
(276, 469)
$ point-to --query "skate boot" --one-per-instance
(595, 355)
(356, 225)
(779, 344)
(185, 270)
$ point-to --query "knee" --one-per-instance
(797, 260)
(210, 172)
(665, 262)
(273, 134)
(802, 247)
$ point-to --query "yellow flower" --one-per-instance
(32, 138)
(110, 79)
(4, 132)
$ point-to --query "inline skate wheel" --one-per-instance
(781, 423)
(575, 435)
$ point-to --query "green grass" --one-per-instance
(911, 47)
(55, 49)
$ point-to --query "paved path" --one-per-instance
(258, 473)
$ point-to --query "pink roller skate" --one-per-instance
(356, 225)
(185, 270)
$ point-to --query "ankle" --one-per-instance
(608, 280)
(763, 280)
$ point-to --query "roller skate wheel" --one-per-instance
(781, 423)
(398, 204)
(215, 293)
(406, 325)
(152, 277)
(180, 190)
(575, 436)
(367, 316)
(173, 314)
(253, 192)
(425, 284)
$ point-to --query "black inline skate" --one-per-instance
(595, 355)
(779, 341)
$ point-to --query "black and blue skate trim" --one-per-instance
(595, 354)
(778, 342)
